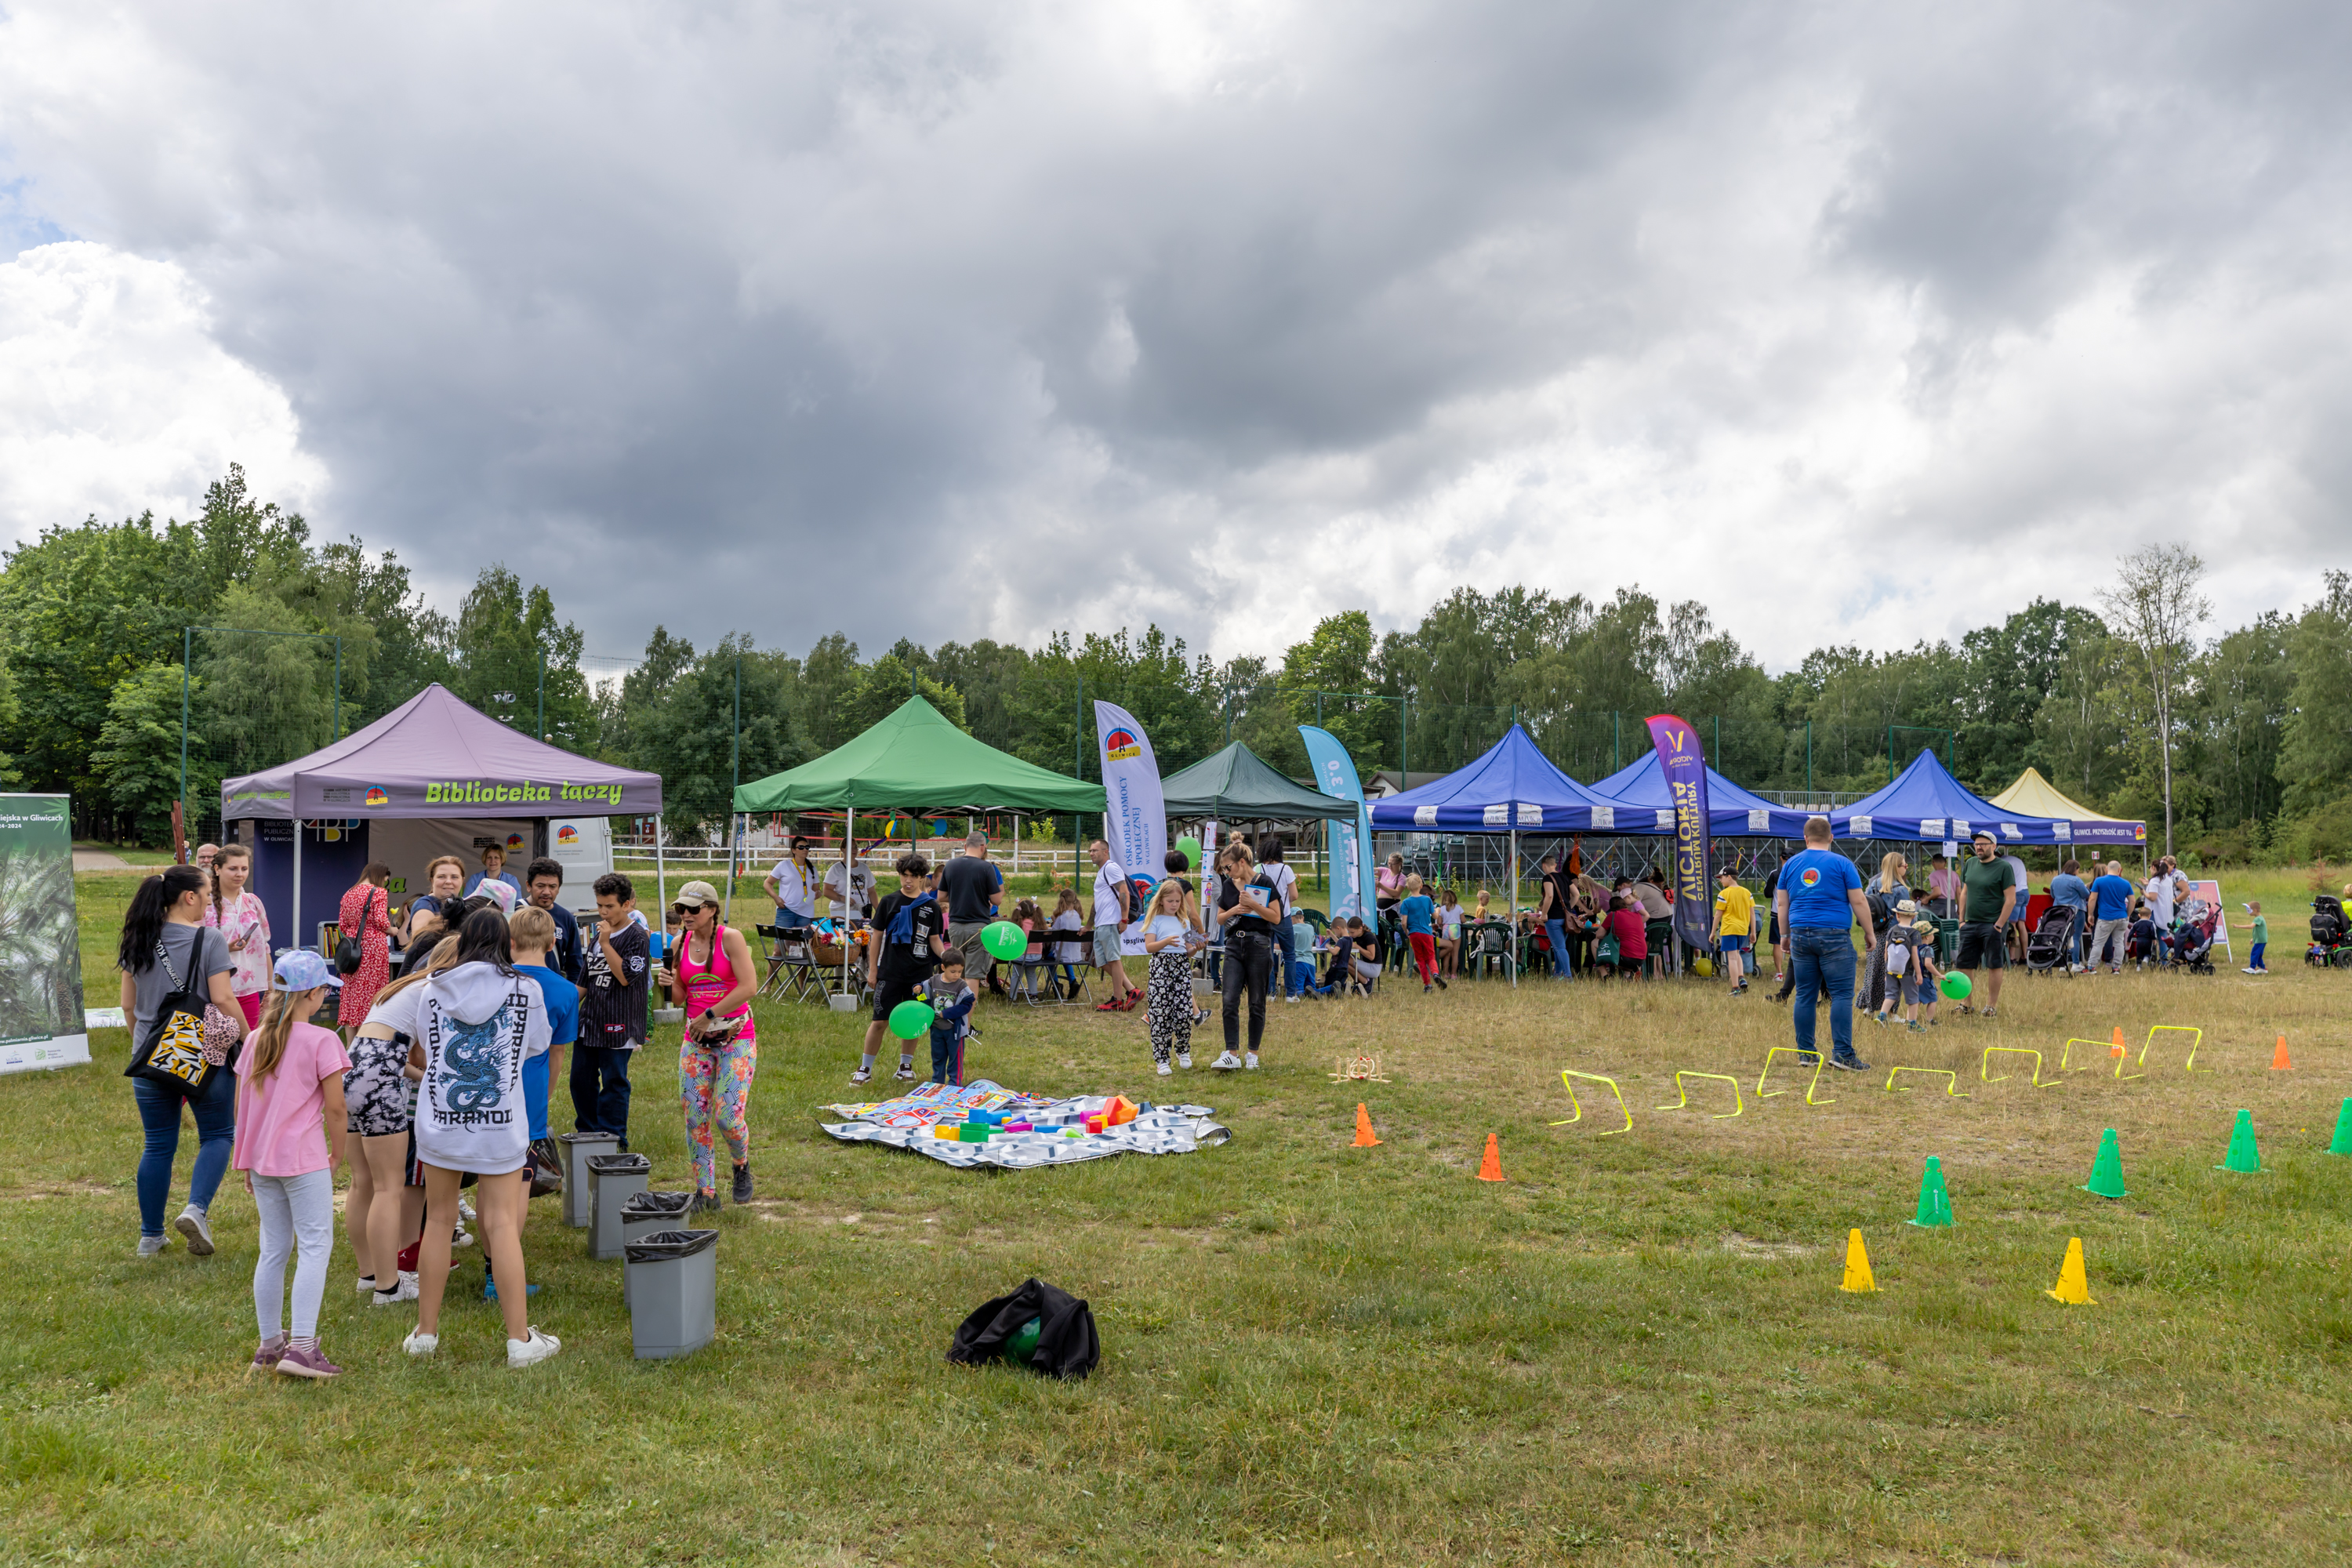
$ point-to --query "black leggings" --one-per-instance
(1249, 964)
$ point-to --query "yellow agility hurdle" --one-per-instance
(1951, 1080)
(2066, 1053)
(1992, 1051)
(2197, 1038)
(1820, 1062)
(1739, 1105)
(1565, 1075)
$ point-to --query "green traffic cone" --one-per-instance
(2243, 1157)
(1935, 1202)
(2342, 1143)
(2107, 1169)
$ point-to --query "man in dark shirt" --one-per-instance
(971, 888)
(613, 985)
(1553, 910)
(543, 884)
(908, 937)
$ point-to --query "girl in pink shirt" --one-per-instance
(290, 1139)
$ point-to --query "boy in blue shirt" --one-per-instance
(1419, 912)
(1818, 899)
(531, 930)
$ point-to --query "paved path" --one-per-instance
(99, 860)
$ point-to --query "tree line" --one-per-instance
(2128, 704)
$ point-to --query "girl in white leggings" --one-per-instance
(290, 1139)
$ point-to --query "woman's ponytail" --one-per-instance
(142, 922)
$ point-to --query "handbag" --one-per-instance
(176, 1050)
(1606, 949)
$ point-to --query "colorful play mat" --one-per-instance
(1050, 1131)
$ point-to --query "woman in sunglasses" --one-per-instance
(713, 978)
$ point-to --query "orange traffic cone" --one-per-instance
(1364, 1139)
(2279, 1062)
(1490, 1169)
(2117, 1049)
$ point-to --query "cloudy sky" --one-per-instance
(1859, 321)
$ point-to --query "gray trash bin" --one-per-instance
(673, 1287)
(577, 1147)
(644, 1213)
(612, 1180)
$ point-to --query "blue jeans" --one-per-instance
(159, 1113)
(1824, 957)
(2254, 959)
(600, 1091)
(1556, 932)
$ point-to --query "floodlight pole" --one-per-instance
(187, 638)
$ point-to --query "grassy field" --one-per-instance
(1635, 1351)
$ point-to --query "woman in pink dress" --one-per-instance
(236, 911)
(366, 914)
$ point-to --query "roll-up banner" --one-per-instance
(1352, 843)
(1135, 814)
(42, 1024)
(1684, 766)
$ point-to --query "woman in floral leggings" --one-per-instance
(721, 1048)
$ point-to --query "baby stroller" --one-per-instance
(2331, 935)
(2052, 944)
(2192, 939)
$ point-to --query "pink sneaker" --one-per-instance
(272, 1351)
(307, 1364)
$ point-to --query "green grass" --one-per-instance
(1632, 1351)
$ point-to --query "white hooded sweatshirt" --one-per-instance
(476, 1026)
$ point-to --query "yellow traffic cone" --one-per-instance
(1857, 1265)
(2074, 1286)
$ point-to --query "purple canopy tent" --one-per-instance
(436, 758)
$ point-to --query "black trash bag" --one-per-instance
(1066, 1346)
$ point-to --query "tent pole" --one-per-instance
(661, 874)
(1513, 869)
(298, 884)
(734, 844)
(848, 891)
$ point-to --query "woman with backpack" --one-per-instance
(365, 921)
(173, 965)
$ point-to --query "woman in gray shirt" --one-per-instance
(166, 943)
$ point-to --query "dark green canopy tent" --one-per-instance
(915, 759)
(1237, 785)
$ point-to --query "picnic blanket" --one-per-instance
(906, 1123)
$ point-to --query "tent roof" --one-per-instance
(1926, 805)
(1732, 812)
(1513, 786)
(1238, 786)
(2033, 793)
(915, 759)
(435, 755)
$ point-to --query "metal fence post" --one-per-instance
(187, 639)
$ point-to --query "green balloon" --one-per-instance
(1004, 941)
(1190, 848)
(1022, 1344)
(1955, 985)
(910, 1019)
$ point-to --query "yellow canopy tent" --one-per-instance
(2033, 795)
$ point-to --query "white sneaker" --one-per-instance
(1251, 1061)
(1167, 1071)
(1184, 1060)
(536, 1348)
(193, 1224)
(419, 1343)
(408, 1284)
(1226, 1062)
(366, 1287)
(465, 1208)
(154, 1246)
(905, 1075)
(1289, 998)
(861, 1076)
(462, 1238)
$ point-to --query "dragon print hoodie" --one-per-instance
(476, 1025)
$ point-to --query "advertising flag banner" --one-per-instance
(1351, 842)
(1135, 814)
(41, 1020)
(1684, 766)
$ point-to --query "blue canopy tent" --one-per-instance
(1924, 804)
(1510, 788)
(1731, 811)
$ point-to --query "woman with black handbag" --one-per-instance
(184, 1022)
(364, 952)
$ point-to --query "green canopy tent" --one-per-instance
(1239, 785)
(915, 759)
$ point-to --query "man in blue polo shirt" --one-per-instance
(1818, 899)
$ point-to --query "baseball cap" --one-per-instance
(697, 895)
(1982, 833)
(299, 969)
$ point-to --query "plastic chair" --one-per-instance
(792, 973)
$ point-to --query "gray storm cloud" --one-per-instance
(943, 320)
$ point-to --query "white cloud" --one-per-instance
(115, 399)
(1859, 322)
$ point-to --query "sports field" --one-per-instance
(1632, 1351)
